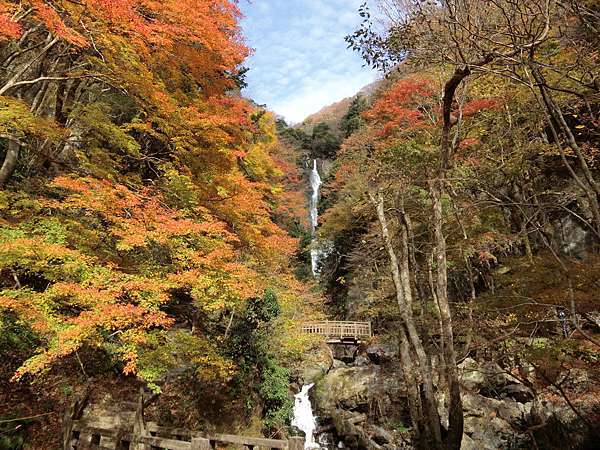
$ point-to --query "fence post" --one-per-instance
(200, 444)
(296, 443)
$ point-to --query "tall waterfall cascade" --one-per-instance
(315, 184)
(303, 417)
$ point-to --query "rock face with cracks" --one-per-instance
(362, 405)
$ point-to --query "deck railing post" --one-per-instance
(200, 444)
(296, 443)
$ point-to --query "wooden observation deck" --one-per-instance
(340, 332)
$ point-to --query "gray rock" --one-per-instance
(577, 380)
(486, 377)
(518, 392)
(352, 388)
(344, 352)
(471, 376)
(316, 365)
(338, 364)
(468, 443)
(346, 388)
(314, 372)
(381, 436)
(381, 352)
(361, 361)
(573, 238)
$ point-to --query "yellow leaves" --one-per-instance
(16, 120)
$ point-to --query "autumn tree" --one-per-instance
(384, 175)
(544, 45)
(473, 38)
(66, 50)
(143, 203)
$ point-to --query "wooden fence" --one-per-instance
(86, 437)
(110, 433)
(339, 331)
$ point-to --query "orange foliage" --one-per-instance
(474, 106)
(201, 225)
(398, 106)
(9, 29)
(200, 24)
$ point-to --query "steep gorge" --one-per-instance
(161, 234)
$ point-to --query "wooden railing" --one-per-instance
(339, 331)
(86, 437)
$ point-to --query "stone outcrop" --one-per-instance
(361, 405)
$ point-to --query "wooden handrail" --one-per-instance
(339, 329)
(85, 433)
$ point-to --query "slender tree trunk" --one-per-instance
(15, 79)
(412, 386)
(455, 412)
(431, 423)
(10, 162)
(437, 191)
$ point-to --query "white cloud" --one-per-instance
(301, 62)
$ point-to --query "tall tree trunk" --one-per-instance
(455, 412)
(437, 191)
(431, 434)
(10, 162)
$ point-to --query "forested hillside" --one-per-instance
(143, 214)
(464, 210)
(156, 241)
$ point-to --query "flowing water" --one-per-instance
(315, 184)
(303, 417)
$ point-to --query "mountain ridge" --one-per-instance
(332, 114)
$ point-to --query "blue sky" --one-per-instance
(300, 61)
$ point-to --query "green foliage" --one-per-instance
(324, 144)
(399, 427)
(274, 391)
(106, 142)
(250, 334)
(14, 335)
(352, 120)
(17, 121)
(249, 346)
(295, 136)
(17, 343)
(166, 351)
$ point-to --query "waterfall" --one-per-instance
(303, 417)
(315, 184)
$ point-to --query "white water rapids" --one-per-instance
(315, 184)
(303, 417)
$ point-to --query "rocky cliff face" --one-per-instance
(360, 404)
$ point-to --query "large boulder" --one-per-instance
(471, 376)
(491, 380)
(490, 424)
(348, 388)
(380, 352)
(316, 365)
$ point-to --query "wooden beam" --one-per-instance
(167, 444)
(200, 444)
(296, 443)
(249, 441)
